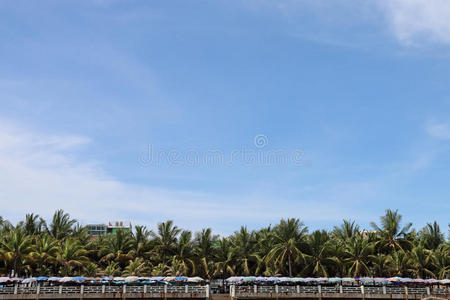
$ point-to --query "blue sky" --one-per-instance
(353, 97)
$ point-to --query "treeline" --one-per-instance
(62, 247)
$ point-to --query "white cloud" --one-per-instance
(41, 173)
(411, 22)
(439, 130)
(415, 21)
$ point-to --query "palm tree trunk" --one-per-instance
(290, 266)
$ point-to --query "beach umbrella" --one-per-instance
(249, 279)
(79, 279)
(131, 279)
(233, 279)
(432, 281)
(444, 281)
(195, 279)
(347, 279)
(418, 280)
(4, 279)
(169, 278)
(42, 278)
(56, 279)
(309, 279)
(298, 279)
(334, 279)
(106, 278)
(66, 279)
(157, 278)
(119, 279)
(365, 280)
(29, 280)
(181, 278)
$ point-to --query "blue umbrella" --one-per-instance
(42, 278)
(78, 279)
(181, 278)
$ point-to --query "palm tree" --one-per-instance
(112, 269)
(244, 243)
(33, 224)
(118, 247)
(392, 235)
(165, 239)
(184, 252)
(400, 263)
(441, 262)
(380, 264)
(71, 256)
(15, 249)
(141, 241)
(45, 252)
(225, 259)
(91, 270)
(357, 255)
(432, 236)
(204, 251)
(421, 261)
(319, 260)
(136, 267)
(346, 231)
(61, 225)
(287, 238)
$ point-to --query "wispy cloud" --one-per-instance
(415, 21)
(439, 130)
(42, 172)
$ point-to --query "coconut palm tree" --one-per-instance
(45, 252)
(118, 247)
(400, 263)
(357, 255)
(225, 259)
(204, 250)
(244, 242)
(421, 261)
(184, 252)
(287, 238)
(15, 249)
(141, 241)
(136, 267)
(346, 231)
(441, 262)
(112, 269)
(72, 257)
(391, 234)
(431, 236)
(165, 239)
(319, 258)
(61, 225)
(380, 264)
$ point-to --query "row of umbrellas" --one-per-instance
(363, 280)
(79, 279)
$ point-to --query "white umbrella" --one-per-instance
(195, 279)
(170, 278)
(119, 279)
(131, 279)
(28, 280)
(65, 279)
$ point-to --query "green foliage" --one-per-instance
(64, 247)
